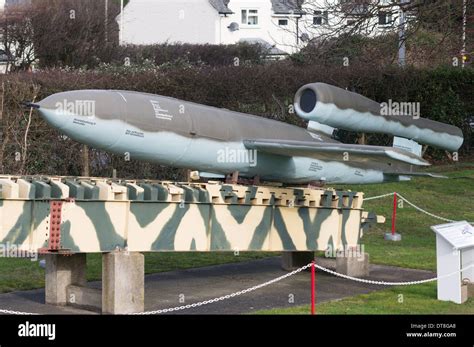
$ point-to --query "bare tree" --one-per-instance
(16, 40)
(326, 24)
(24, 149)
(74, 33)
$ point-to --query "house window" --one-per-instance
(283, 22)
(385, 18)
(320, 18)
(249, 17)
(355, 7)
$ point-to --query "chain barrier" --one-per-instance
(413, 205)
(322, 268)
(378, 197)
(224, 297)
(251, 289)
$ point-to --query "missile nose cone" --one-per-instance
(60, 109)
(93, 117)
(53, 117)
(49, 109)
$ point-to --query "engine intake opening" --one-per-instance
(308, 100)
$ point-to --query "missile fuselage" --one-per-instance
(183, 134)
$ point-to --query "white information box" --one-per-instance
(454, 252)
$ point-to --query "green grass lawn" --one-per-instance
(417, 299)
(451, 198)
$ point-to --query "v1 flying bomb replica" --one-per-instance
(217, 141)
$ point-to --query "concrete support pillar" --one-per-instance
(355, 266)
(123, 282)
(62, 271)
(293, 260)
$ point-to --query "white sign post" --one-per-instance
(454, 251)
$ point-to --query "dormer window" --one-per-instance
(249, 17)
(320, 18)
(385, 18)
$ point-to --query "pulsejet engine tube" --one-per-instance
(342, 109)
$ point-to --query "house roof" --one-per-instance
(221, 6)
(287, 6)
(278, 6)
(271, 49)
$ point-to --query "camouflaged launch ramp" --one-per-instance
(92, 215)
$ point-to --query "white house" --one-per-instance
(285, 24)
(211, 21)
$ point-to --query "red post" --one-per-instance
(394, 213)
(313, 289)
